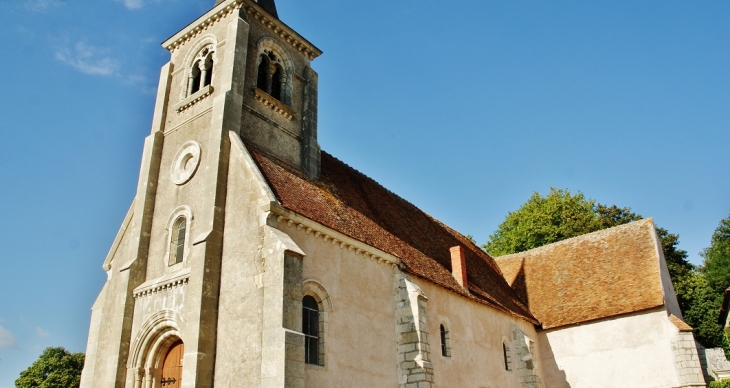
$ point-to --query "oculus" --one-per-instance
(185, 163)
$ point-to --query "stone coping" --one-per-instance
(271, 102)
(194, 98)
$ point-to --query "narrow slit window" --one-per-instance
(310, 328)
(445, 342)
(505, 351)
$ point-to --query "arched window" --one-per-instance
(507, 357)
(271, 77)
(177, 242)
(201, 73)
(445, 341)
(310, 328)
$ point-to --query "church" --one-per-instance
(250, 257)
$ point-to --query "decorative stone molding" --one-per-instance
(161, 328)
(282, 31)
(276, 105)
(290, 219)
(224, 9)
(202, 25)
(162, 284)
(194, 98)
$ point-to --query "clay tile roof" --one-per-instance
(353, 204)
(681, 325)
(594, 276)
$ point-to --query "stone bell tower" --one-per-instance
(187, 283)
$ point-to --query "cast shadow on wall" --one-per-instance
(553, 376)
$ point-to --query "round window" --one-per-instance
(185, 163)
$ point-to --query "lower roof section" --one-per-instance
(598, 275)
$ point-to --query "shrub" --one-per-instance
(720, 384)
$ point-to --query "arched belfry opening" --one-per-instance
(272, 77)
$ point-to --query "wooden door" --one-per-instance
(172, 367)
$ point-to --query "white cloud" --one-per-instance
(133, 4)
(137, 4)
(42, 332)
(87, 59)
(7, 340)
(41, 5)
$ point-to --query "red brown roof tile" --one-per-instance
(353, 204)
(598, 275)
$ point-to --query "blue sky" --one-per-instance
(464, 108)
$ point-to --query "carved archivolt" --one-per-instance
(154, 337)
(316, 290)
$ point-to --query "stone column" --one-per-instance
(204, 68)
(149, 378)
(138, 376)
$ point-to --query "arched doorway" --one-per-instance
(172, 366)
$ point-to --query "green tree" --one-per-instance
(701, 309)
(716, 263)
(544, 220)
(55, 368)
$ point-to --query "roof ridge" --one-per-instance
(630, 224)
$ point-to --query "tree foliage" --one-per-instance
(55, 368)
(716, 264)
(701, 308)
(543, 220)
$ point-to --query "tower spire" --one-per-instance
(268, 5)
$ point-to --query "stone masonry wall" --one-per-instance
(414, 350)
(525, 362)
(687, 361)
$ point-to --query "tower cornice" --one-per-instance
(255, 11)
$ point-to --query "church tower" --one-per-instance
(189, 287)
